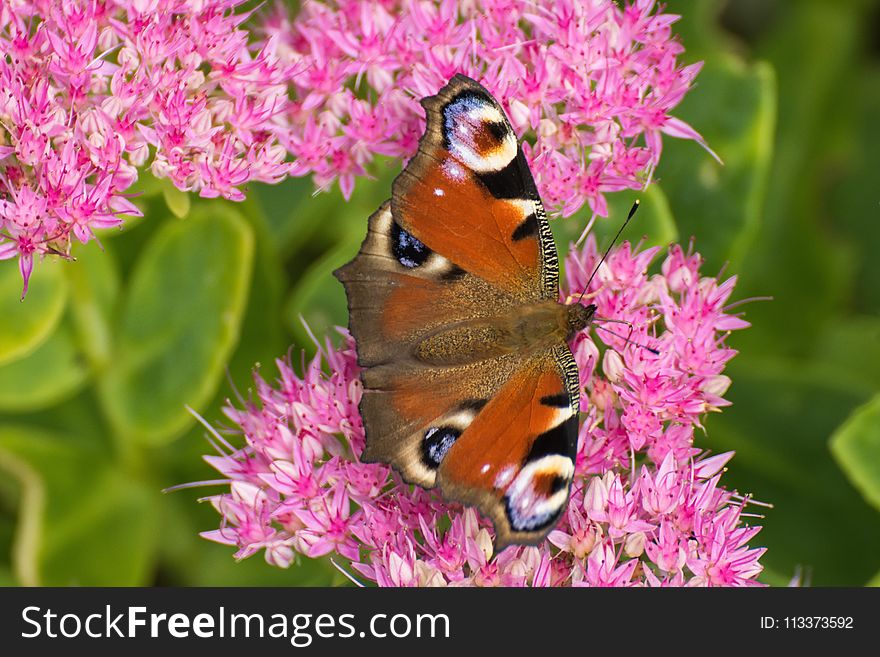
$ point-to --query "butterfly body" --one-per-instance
(524, 330)
(469, 384)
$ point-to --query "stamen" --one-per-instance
(350, 577)
(742, 301)
(586, 230)
(197, 484)
(210, 429)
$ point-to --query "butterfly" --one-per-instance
(453, 298)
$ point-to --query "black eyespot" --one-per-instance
(498, 130)
(409, 251)
(559, 483)
(461, 103)
(437, 442)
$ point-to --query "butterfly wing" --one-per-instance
(515, 461)
(463, 240)
(392, 309)
(469, 192)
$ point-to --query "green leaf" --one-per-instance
(144, 194)
(303, 221)
(798, 257)
(856, 446)
(147, 185)
(94, 290)
(782, 416)
(339, 228)
(699, 27)
(262, 335)
(848, 352)
(7, 578)
(296, 215)
(856, 209)
(733, 106)
(179, 324)
(772, 578)
(81, 521)
(27, 323)
(55, 371)
(653, 222)
(318, 297)
(177, 201)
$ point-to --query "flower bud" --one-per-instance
(634, 545)
(612, 366)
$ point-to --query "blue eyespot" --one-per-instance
(438, 441)
(409, 251)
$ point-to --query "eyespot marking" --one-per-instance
(437, 442)
(537, 496)
(408, 250)
(438, 439)
(498, 129)
(477, 133)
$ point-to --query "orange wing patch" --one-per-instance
(448, 209)
(515, 461)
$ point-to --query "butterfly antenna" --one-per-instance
(632, 211)
(625, 339)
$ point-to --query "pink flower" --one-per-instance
(583, 80)
(93, 92)
(603, 569)
(325, 526)
(646, 507)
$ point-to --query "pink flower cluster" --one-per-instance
(589, 82)
(647, 507)
(93, 90)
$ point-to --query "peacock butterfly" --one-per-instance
(453, 302)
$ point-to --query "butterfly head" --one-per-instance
(579, 317)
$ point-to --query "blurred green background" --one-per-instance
(97, 363)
